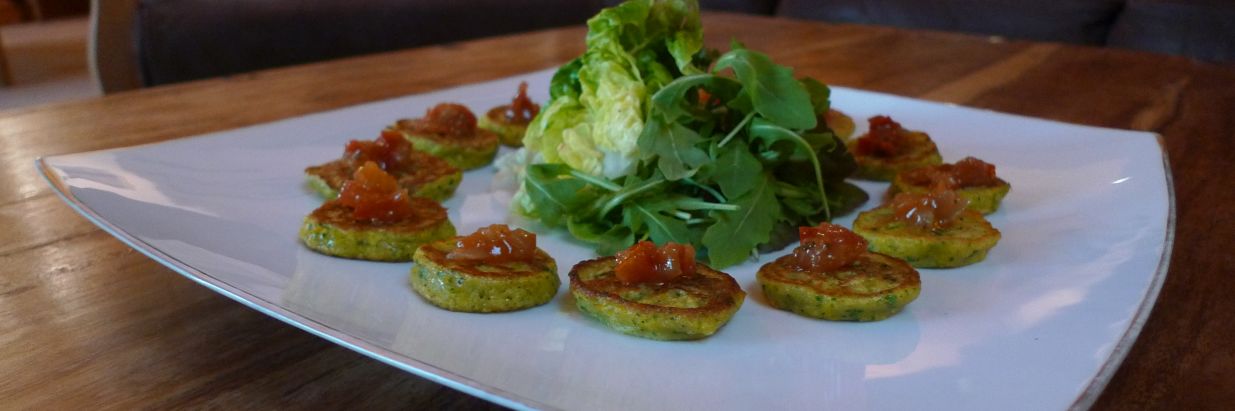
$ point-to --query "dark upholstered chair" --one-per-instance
(1204, 29)
(1068, 21)
(142, 43)
(1201, 29)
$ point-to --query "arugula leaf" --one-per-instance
(819, 94)
(632, 187)
(771, 132)
(819, 141)
(674, 147)
(741, 102)
(801, 206)
(609, 239)
(671, 100)
(554, 192)
(661, 228)
(782, 235)
(736, 233)
(835, 160)
(736, 170)
(776, 95)
(845, 197)
(704, 57)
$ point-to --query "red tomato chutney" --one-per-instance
(447, 119)
(390, 151)
(645, 262)
(827, 247)
(969, 172)
(885, 138)
(934, 210)
(496, 243)
(706, 99)
(375, 196)
(521, 109)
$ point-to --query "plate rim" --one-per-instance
(1128, 340)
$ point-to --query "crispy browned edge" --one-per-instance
(899, 179)
(426, 168)
(497, 114)
(427, 213)
(481, 138)
(437, 251)
(922, 150)
(715, 305)
(773, 272)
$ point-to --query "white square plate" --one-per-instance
(1041, 324)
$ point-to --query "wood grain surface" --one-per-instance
(86, 322)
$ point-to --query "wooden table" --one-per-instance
(86, 321)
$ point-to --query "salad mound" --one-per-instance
(648, 135)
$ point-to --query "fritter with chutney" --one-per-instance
(449, 131)
(494, 269)
(422, 174)
(971, 178)
(887, 149)
(832, 276)
(656, 292)
(933, 230)
(374, 219)
(510, 121)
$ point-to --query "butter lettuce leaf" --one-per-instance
(599, 100)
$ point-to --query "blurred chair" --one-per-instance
(143, 43)
(1068, 21)
(6, 77)
(112, 52)
(1200, 29)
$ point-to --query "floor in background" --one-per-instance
(48, 63)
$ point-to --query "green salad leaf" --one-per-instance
(555, 192)
(735, 234)
(775, 94)
(661, 227)
(674, 147)
(648, 135)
